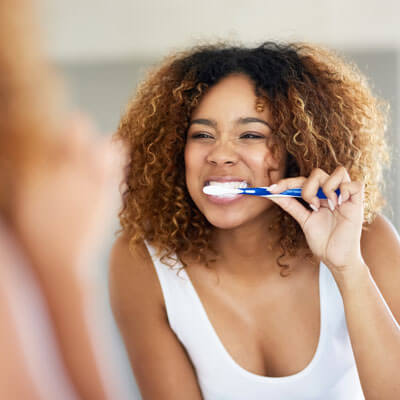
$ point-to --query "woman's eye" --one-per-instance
(201, 135)
(251, 135)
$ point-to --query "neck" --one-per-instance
(249, 250)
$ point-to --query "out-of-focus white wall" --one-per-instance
(87, 29)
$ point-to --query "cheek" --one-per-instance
(190, 159)
(261, 157)
(193, 166)
(270, 162)
(275, 158)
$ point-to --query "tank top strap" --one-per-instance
(174, 286)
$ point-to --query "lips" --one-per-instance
(231, 181)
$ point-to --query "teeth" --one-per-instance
(233, 184)
(226, 185)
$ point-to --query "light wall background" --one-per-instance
(103, 48)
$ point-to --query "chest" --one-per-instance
(267, 329)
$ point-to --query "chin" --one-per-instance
(235, 214)
(226, 225)
(224, 221)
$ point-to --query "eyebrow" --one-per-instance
(243, 120)
(249, 120)
(204, 121)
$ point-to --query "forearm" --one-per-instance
(374, 334)
(65, 294)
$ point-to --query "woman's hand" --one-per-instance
(333, 228)
(62, 211)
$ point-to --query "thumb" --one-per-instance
(293, 207)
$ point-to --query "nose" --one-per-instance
(222, 154)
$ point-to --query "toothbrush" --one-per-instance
(259, 191)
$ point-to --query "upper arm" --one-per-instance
(380, 246)
(25, 361)
(159, 361)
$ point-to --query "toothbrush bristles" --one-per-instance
(219, 190)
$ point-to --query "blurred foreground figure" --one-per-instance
(56, 199)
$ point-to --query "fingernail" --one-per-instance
(340, 199)
(314, 208)
(331, 206)
(272, 187)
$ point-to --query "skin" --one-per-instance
(218, 144)
(51, 228)
(59, 220)
(249, 324)
(26, 357)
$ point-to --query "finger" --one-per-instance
(76, 140)
(115, 157)
(121, 151)
(351, 191)
(287, 183)
(333, 182)
(293, 207)
(311, 186)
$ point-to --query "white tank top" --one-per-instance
(331, 374)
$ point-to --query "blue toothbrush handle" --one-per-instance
(260, 191)
(297, 193)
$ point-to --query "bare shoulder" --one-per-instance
(132, 277)
(380, 246)
(159, 361)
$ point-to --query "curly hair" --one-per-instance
(323, 113)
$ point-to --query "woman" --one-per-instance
(277, 298)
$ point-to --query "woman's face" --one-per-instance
(229, 140)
